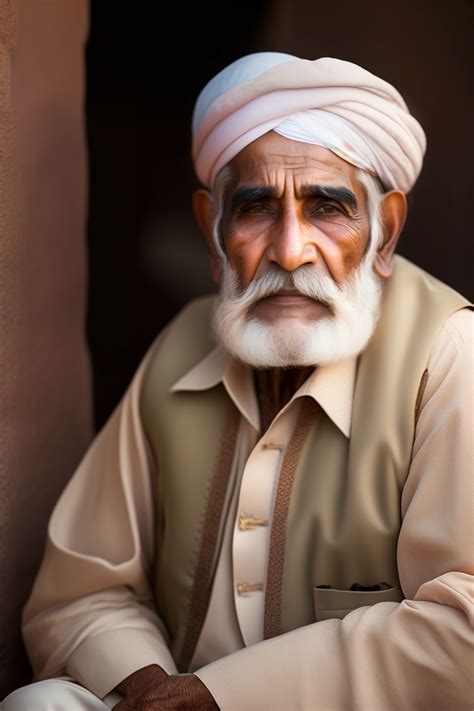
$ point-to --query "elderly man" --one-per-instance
(276, 514)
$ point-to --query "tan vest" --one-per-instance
(337, 512)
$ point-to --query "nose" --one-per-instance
(292, 243)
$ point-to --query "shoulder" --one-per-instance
(452, 354)
(457, 331)
(181, 345)
(448, 386)
(409, 277)
(190, 326)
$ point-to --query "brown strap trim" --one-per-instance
(421, 392)
(204, 571)
(276, 556)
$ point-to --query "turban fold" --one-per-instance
(328, 102)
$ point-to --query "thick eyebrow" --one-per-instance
(339, 194)
(246, 194)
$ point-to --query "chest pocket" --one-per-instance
(330, 602)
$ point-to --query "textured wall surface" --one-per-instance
(45, 413)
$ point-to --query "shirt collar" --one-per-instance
(218, 366)
(331, 386)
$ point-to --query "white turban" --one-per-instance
(326, 102)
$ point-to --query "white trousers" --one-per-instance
(61, 694)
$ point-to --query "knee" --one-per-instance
(51, 695)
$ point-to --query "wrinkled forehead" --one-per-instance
(276, 161)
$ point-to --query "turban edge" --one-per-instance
(328, 102)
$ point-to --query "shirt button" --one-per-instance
(245, 588)
(248, 522)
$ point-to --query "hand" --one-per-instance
(151, 689)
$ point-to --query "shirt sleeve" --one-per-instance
(408, 656)
(91, 612)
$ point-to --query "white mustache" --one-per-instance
(305, 280)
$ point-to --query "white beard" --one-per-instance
(290, 342)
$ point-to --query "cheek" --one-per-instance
(245, 252)
(343, 248)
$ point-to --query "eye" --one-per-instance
(255, 208)
(328, 208)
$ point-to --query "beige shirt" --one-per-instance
(91, 613)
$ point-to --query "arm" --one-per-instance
(396, 657)
(91, 612)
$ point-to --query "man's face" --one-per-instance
(291, 204)
(301, 270)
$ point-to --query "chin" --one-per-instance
(289, 343)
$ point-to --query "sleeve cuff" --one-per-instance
(101, 662)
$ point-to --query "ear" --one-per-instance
(203, 208)
(394, 212)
